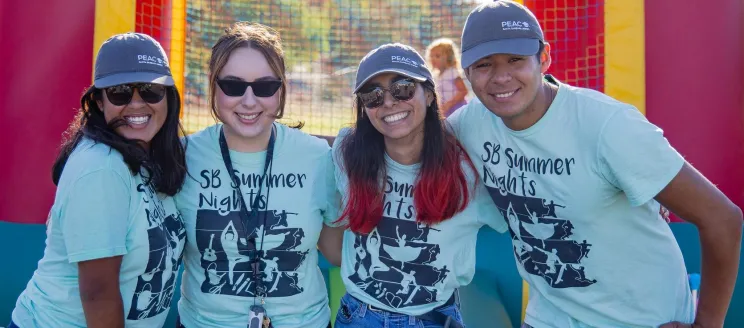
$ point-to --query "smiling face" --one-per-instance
(394, 118)
(508, 85)
(142, 119)
(247, 117)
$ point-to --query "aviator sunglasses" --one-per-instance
(237, 88)
(120, 95)
(401, 90)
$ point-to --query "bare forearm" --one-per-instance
(104, 309)
(721, 246)
(332, 254)
(330, 244)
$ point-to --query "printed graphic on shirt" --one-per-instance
(167, 236)
(229, 247)
(227, 251)
(542, 240)
(395, 263)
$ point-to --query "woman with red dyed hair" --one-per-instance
(411, 202)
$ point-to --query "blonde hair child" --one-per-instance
(442, 56)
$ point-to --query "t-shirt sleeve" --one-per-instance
(454, 122)
(327, 187)
(486, 211)
(635, 157)
(94, 219)
(341, 179)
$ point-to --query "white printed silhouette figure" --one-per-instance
(272, 266)
(538, 230)
(374, 242)
(402, 252)
(552, 261)
(408, 280)
(519, 245)
(147, 276)
(214, 279)
(360, 269)
(179, 246)
(229, 239)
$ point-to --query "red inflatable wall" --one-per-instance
(575, 31)
(45, 64)
(695, 84)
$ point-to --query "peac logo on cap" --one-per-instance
(515, 25)
(404, 60)
(151, 60)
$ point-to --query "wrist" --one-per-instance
(705, 323)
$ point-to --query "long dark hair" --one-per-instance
(440, 190)
(165, 161)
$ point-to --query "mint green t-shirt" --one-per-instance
(218, 283)
(403, 266)
(101, 210)
(577, 189)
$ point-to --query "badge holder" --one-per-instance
(258, 318)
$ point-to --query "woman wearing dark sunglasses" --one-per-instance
(411, 201)
(114, 236)
(258, 200)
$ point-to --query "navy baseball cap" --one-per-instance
(500, 27)
(131, 58)
(392, 58)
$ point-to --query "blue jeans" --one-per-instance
(355, 314)
(12, 325)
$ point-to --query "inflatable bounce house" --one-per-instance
(679, 62)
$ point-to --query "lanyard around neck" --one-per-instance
(245, 217)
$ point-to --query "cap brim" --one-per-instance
(417, 77)
(133, 77)
(521, 47)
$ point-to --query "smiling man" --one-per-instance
(580, 178)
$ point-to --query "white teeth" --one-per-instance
(248, 117)
(395, 117)
(505, 95)
(137, 119)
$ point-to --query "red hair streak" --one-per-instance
(440, 192)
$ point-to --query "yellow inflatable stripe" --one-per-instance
(624, 55)
(178, 43)
(112, 17)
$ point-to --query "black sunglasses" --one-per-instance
(401, 90)
(120, 95)
(237, 88)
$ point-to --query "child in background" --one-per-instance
(443, 58)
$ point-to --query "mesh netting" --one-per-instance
(575, 31)
(152, 19)
(325, 39)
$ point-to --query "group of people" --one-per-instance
(575, 177)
